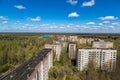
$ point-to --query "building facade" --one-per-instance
(73, 38)
(86, 40)
(105, 59)
(57, 48)
(72, 50)
(36, 68)
(102, 44)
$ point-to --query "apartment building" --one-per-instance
(86, 40)
(90, 40)
(72, 50)
(57, 48)
(36, 68)
(102, 44)
(104, 58)
(73, 38)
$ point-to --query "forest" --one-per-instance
(17, 48)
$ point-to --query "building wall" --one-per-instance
(72, 50)
(42, 69)
(73, 38)
(57, 48)
(105, 59)
(99, 44)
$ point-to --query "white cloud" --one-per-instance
(18, 22)
(108, 18)
(20, 7)
(44, 25)
(62, 27)
(4, 22)
(37, 19)
(115, 23)
(68, 26)
(3, 18)
(90, 23)
(73, 14)
(90, 3)
(72, 2)
(106, 22)
(100, 24)
(112, 27)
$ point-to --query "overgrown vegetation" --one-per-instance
(65, 70)
(16, 49)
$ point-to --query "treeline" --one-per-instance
(14, 51)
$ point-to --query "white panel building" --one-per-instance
(102, 44)
(57, 48)
(72, 50)
(105, 59)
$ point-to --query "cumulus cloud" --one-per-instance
(115, 23)
(89, 3)
(90, 23)
(3, 18)
(18, 22)
(73, 14)
(112, 27)
(106, 22)
(20, 7)
(44, 25)
(108, 18)
(4, 22)
(72, 2)
(37, 19)
(100, 24)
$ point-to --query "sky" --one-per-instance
(68, 16)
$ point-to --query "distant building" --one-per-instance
(57, 48)
(62, 38)
(90, 40)
(82, 41)
(72, 50)
(56, 42)
(64, 44)
(102, 44)
(73, 38)
(105, 59)
(86, 40)
(36, 68)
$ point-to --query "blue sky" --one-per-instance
(80, 16)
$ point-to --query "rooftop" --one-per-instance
(26, 69)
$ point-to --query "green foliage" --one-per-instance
(15, 49)
(5, 67)
(68, 78)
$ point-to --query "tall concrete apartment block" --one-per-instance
(36, 68)
(102, 44)
(72, 50)
(57, 48)
(104, 58)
